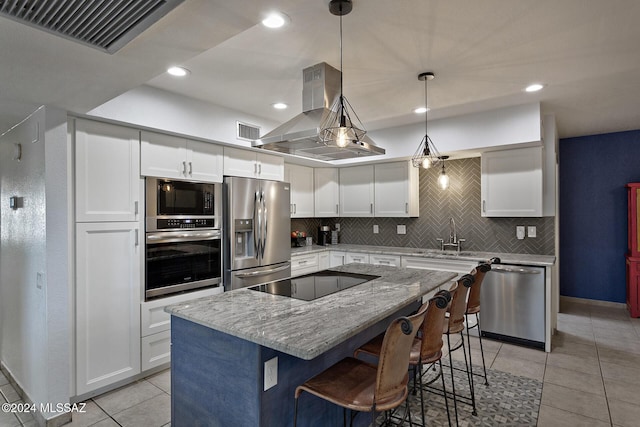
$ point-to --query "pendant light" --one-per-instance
(426, 155)
(338, 128)
(443, 178)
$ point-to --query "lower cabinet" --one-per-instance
(336, 258)
(304, 264)
(107, 304)
(155, 343)
(324, 260)
(356, 257)
(392, 260)
(461, 267)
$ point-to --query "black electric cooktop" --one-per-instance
(314, 285)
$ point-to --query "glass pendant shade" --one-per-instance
(443, 178)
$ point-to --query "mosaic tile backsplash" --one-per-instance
(461, 202)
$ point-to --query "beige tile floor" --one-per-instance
(591, 377)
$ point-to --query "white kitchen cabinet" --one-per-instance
(392, 260)
(356, 191)
(107, 303)
(301, 180)
(458, 266)
(396, 190)
(107, 172)
(337, 258)
(326, 192)
(512, 183)
(250, 164)
(304, 264)
(324, 260)
(356, 257)
(167, 156)
(155, 350)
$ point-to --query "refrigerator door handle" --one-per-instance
(263, 272)
(265, 233)
(256, 225)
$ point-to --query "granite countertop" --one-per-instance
(306, 329)
(505, 258)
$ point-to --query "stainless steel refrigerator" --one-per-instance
(256, 231)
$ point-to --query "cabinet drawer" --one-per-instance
(393, 260)
(356, 257)
(155, 350)
(461, 267)
(304, 264)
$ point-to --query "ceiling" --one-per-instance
(586, 52)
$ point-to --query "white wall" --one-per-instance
(158, 109)
(34, 314)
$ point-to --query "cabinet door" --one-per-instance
(356, 191)
(326, 192)
(204, 161)
(396, 190)
(301, 180)
(108, 291)
(324, 261)
(511, 183)
(270, 167)
(337, 258)
(240, 163)
(107, 172)
(163, 156)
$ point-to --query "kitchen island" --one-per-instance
(220, 345)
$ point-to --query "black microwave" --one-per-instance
(175, 204)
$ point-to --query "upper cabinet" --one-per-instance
(251, 164)
(396, 190)
(301, 180)
(107, 172)
(167, 156)
(326, 192)
(356, 191)
(512, 183)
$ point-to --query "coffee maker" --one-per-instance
(324, 235)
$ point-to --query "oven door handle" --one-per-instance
(182, 236)
(263, 272)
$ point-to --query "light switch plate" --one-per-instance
(376, 229)
(520, 232)
(270, 373)
(401, 229)
(531, 231)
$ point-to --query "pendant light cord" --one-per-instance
(342, 120)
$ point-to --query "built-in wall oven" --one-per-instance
(183, 238)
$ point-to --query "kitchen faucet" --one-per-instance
(453, 238)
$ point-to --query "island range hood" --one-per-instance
(300, 135)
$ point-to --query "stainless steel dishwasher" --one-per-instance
(512, 300)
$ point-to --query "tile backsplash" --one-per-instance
(461, 202)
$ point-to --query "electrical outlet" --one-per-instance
(376, 229)
(401, 229)
(531, 231)
(520, 232)
(270, 373)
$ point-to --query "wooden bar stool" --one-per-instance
(473, 308)
(363, 387)
(454, 324)
(427, 346)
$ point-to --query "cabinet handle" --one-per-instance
(406, 208)
(136, 238)
(295, 208)
(135, 207)
(337, 208)
(303, 261)
(184, 168)
(190, 168)
(371, 208)
(484, 206)
(291, 209)
(260, 169)
(255, 168)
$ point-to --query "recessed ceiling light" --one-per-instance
(275, 20)
(280, 105)
(534, 87)
(421, 110)
(178, 71)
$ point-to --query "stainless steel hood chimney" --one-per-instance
(299, 136)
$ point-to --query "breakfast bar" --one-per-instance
(237, 357)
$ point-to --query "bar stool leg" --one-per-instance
(469, 368)
(453, 383)
(484, 366)
(444, 392)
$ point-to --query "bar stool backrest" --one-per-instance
(431, 341)
(459, 304)
(392, 374)
(473, 303)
